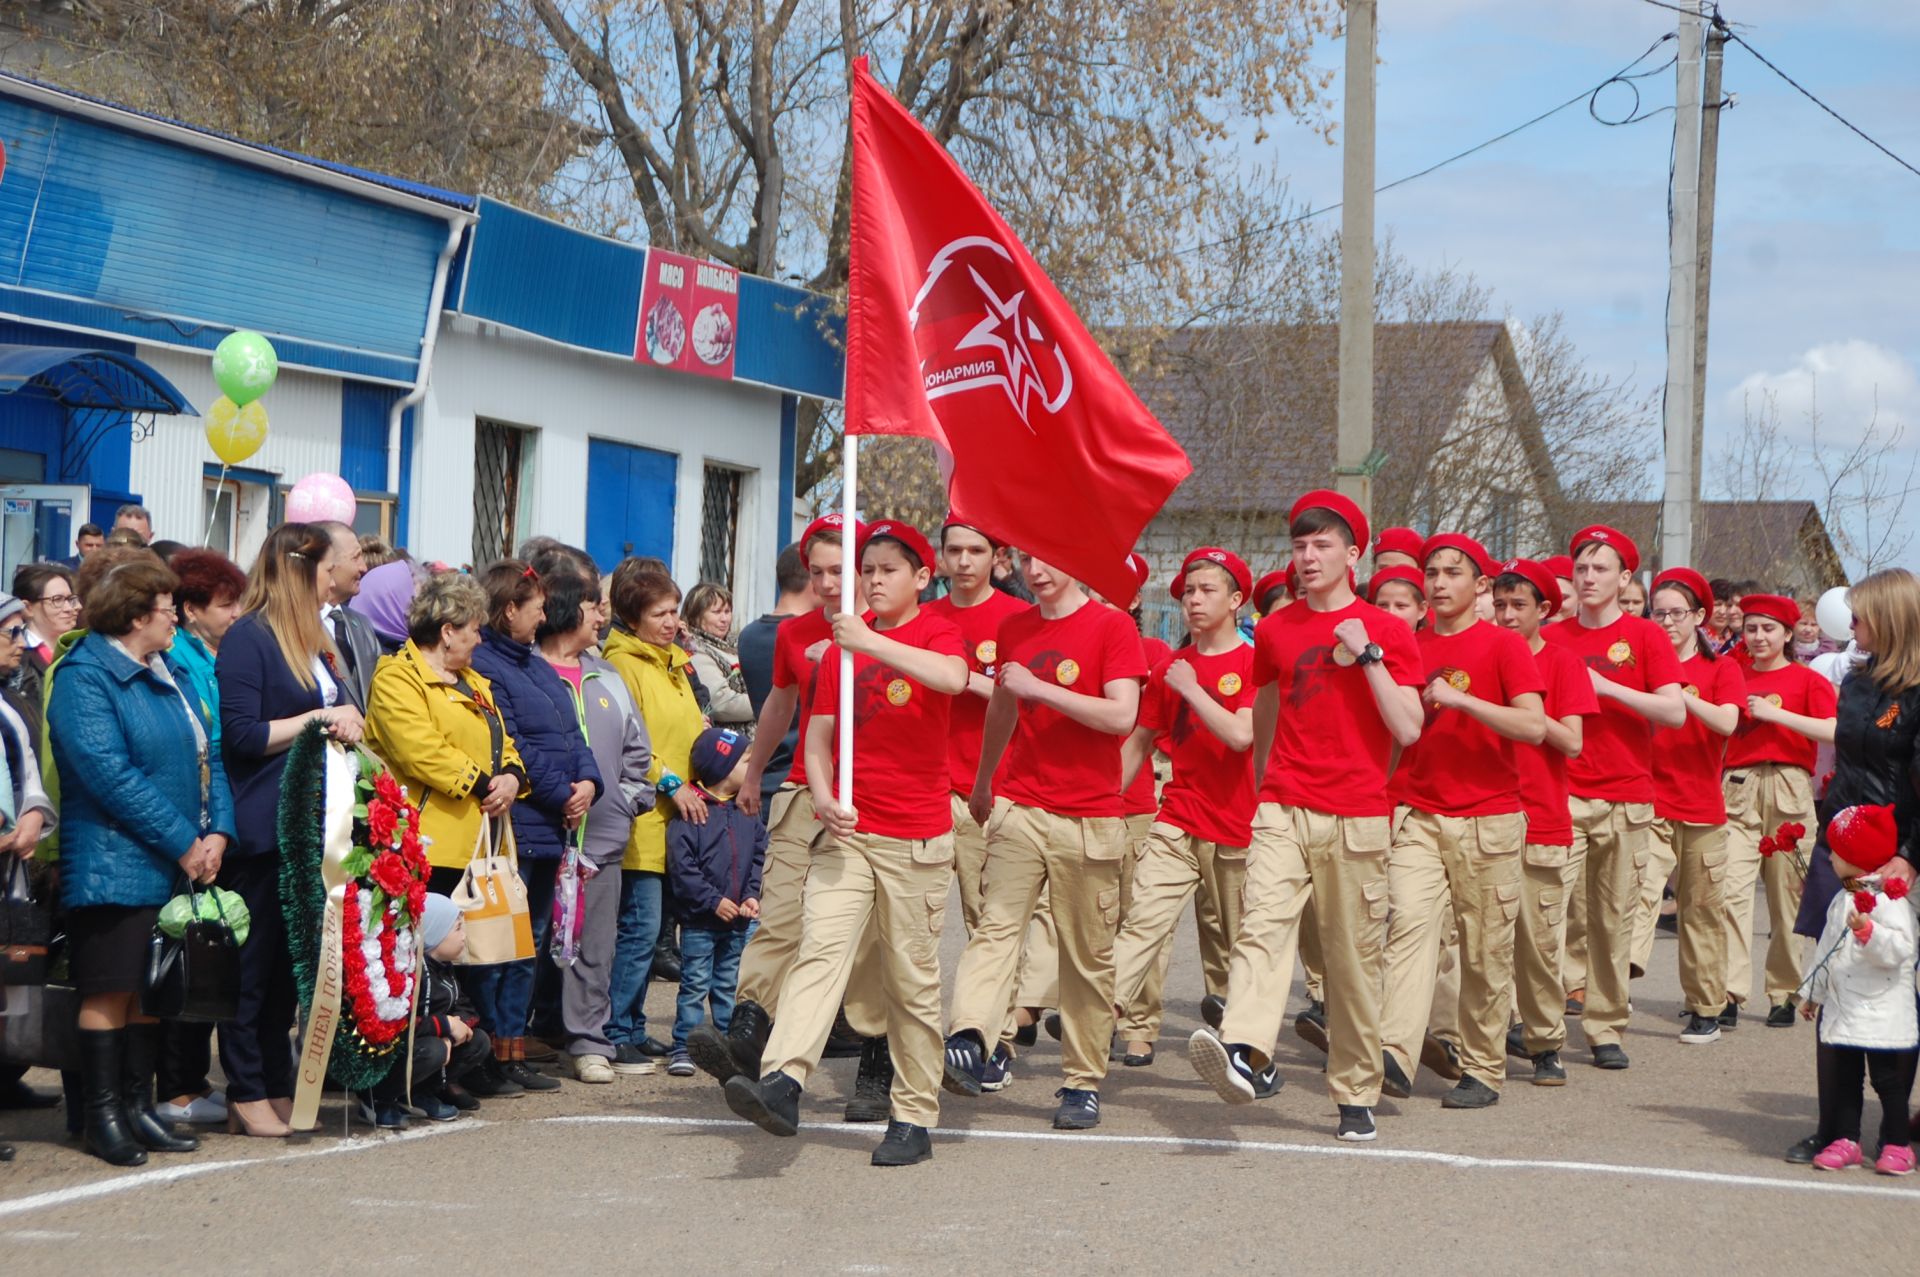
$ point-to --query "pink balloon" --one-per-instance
(321, 497)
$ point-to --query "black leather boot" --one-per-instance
(747, 1035)
(136, 1073)
(872, 1098)
(105, 1132)
(666, 955)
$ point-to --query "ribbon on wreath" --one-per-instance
(323, 1017)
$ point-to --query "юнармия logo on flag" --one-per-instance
(975, 331)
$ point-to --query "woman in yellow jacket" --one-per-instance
(647, 604)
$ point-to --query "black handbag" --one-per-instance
(26, 928)
(41, 1029)
(196, 976)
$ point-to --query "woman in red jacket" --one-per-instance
(1768, 783)
(1690, 817)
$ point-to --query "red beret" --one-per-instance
(1560, 565)
(1621, 543)
(955, 519)
(1777, 606)
(1412, 576)
(1280, 580)
(1475, 552)
(1341, 506)
(1695, 584)
(825, 522)
(1137, 565)
(1540, 576)
(1397, 541)
(1236, 568)
(1864, 837)
(905, 533)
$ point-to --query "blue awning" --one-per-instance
(90, 379)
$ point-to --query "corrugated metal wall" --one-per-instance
(303, 414)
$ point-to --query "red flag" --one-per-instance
(955, 334)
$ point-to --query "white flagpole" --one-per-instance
(849, 600)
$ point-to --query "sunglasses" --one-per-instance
(15, 632)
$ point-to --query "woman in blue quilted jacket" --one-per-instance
(144, 807)
(564, 781)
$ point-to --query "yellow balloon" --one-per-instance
(236, 433)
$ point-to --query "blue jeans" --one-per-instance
(503, 995)
(638, 932)
(709, 970)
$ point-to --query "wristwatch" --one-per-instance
(1369, 654)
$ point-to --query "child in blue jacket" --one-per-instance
(714, 871)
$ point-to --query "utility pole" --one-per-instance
(1355, 459)
(1683, 302)
(1710, 106)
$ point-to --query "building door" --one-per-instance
(37, 522)
(497, 454)
(630, 499)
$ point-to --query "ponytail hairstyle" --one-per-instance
(284, 588)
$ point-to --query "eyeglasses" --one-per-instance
(17, 633)
(59, 600)
(1663, 615)
(169, 611)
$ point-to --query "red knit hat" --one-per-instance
(1777, 606)
(1397, 541)
(1865, 837)
(1541, 577)
(1695, 584)
(1475, 552)
(1621, 543)
(1342, 507)
(1236, 567)
(1398, 572)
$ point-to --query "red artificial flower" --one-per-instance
(391, 875)
(389, 947)
(1792, 832)
(1863, 902)
(382, 820)
(388, 789)
(1768, 846)
(416, 900)
(1895, 888)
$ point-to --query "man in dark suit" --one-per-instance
(351, 632)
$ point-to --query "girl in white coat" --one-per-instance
(1862, 989)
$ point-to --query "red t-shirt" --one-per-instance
(1053, 762)
(979, 628)
(1459, 766)
(1138, 800)
(1542, 768)
(1330, 746)
(791, 668)
(1686, 759)
(1210, 794)
(899, 729)
(1796, 689)
(1615, 763)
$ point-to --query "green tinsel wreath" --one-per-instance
(355, 1063)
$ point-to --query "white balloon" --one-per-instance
(1835, 617)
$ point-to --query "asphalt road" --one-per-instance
(1675, 1162)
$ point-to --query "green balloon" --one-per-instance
(244, 366)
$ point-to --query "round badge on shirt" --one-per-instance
(1773, 699)
(1621, 653)
(1691, 689)
(1341, 656)
(1229, 683)
(899, 692)
(987, 653)
(1067, 673)
(1459, 680)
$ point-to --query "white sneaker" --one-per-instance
(205, 1110)
(592, 1068)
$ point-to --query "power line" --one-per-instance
(1624, 76)
(1806, 93)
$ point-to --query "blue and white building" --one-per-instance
(466, 366)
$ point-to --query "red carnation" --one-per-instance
(390, 874)
(1863, 902)
(388, 788)
(1768, 846)
(416, 900)
(1792, 832)
(382, 819)
(1895, 888)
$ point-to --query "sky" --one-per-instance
(1817, 235)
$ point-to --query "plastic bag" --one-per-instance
(215, 904)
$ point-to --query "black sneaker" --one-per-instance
(1225, 1067)
(1442, 1056)
(654, 1047)
(1517, 1042)
(1700, 1030)
(457, 1095)
(997, 1073)
(1611, 1058)
(709, 1049)
(965, 1071)
(1547, 1069)
(1356, 1124)
(517, 1071)
(1393, 1079)
(1311, 1025)
(490, 1082)
(1213, 1011)
(1802, 1154)
(1470, 1093)
(1078, 1111)
(1267, 1082)
(772, 1103)
(390, 1115)
(905, 1145)
(747, 1034)
(1730, 1016)
(631, 1060)
(434, 1108)
(872, 1097)
(1780, 1017)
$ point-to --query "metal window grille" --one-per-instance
(496, 490)
(719, 524)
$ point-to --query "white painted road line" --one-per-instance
(193, 1170)
(1813, 1183)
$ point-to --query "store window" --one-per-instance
(220, 499)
